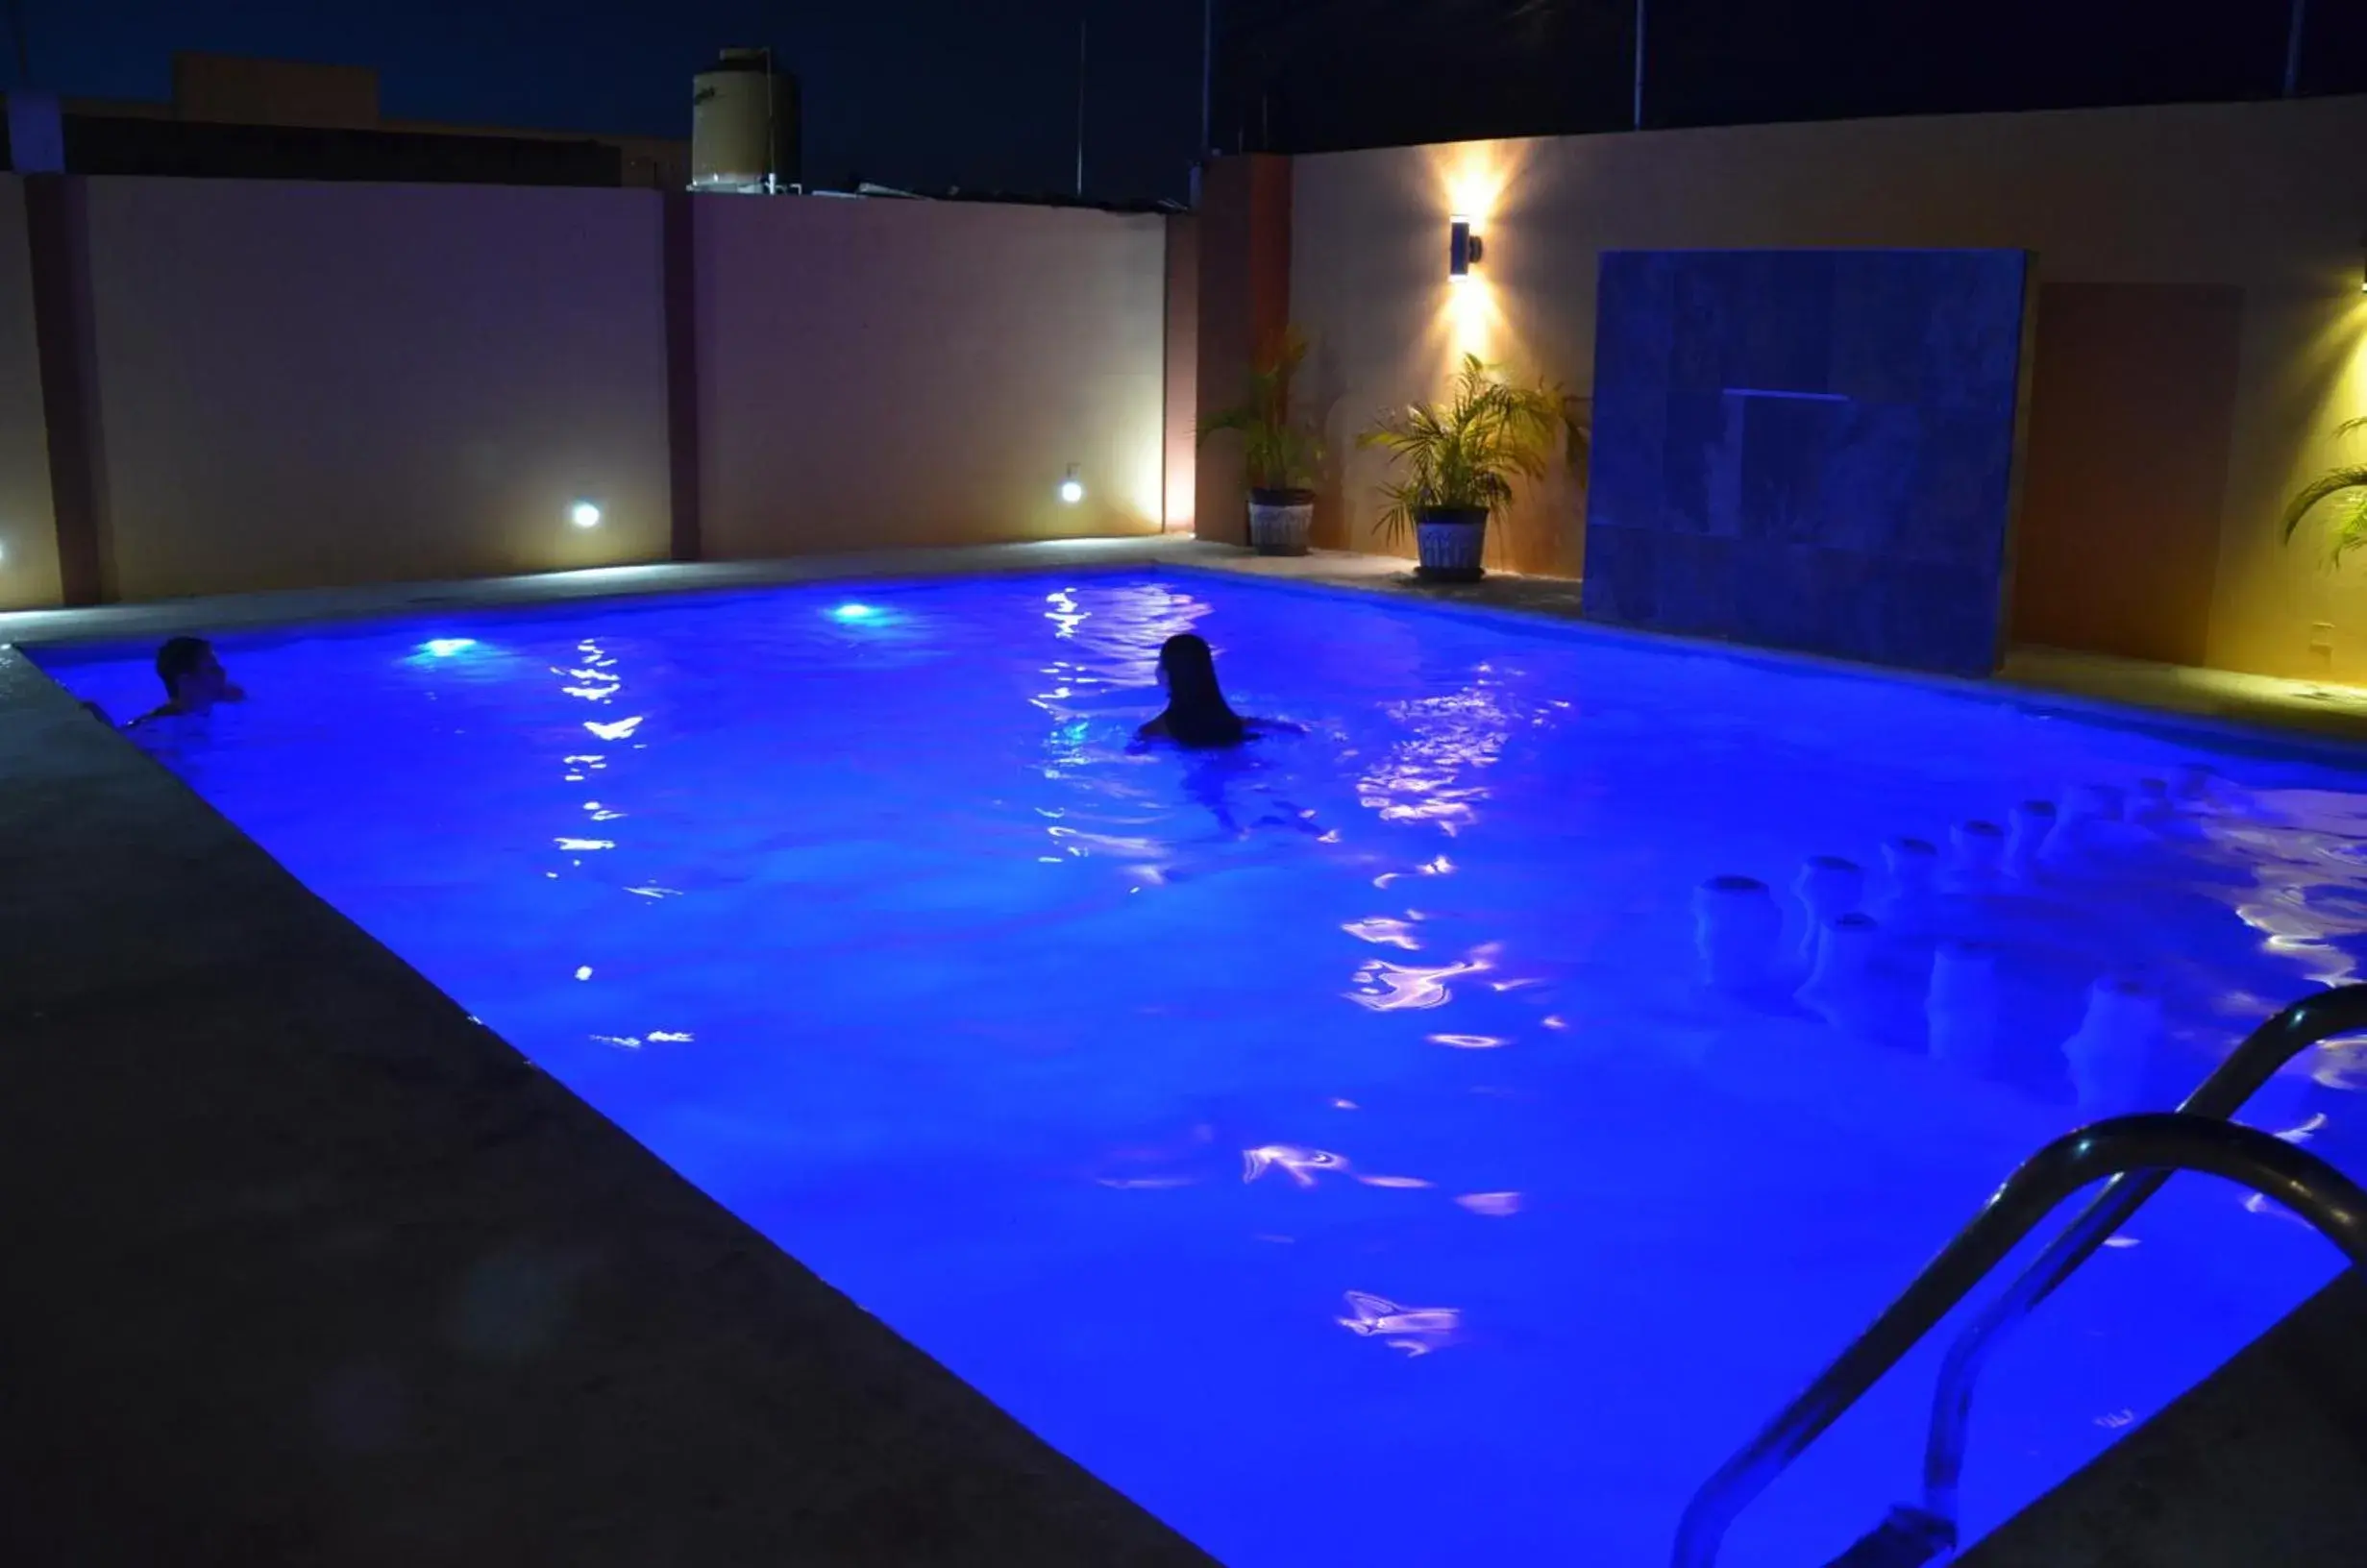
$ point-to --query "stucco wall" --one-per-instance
(28, 539)
(1183, 369)
(2263, 197)
(884, 372)
(305, 384)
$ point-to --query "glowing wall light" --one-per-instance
(583, 514)
(1072, 488)
(1464, 249)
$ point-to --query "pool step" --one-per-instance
(2263, 1463)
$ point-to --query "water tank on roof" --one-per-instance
(743, 125)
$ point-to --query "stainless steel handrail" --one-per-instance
(2308, 1022)
(2162, 1140)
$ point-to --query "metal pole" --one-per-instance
(1080, 105)
(16, 37)
(1640, 6)
(1208, 77)
(2293, 50)
(772, 129)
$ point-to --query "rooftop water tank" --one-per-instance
(743, 125)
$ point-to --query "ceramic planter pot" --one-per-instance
(1451, 540)
(1279, 521)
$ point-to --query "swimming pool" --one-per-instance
(1331, 1146)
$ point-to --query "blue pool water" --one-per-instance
(1330, 1145)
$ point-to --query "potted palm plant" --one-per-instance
(1455, 462)
(1280, 453)
(2350, 482)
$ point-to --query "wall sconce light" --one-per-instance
(1072, 488)
(1463, 248)
(583, 515)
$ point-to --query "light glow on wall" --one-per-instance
(1473, 183)
(1072, 488)
(1142, 480)
(1472, 178)
(1471, 315)
(583, 514)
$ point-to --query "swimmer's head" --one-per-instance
(1187, 669)
(194, 677)
(1196, 712)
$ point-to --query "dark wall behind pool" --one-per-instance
(1807, 448)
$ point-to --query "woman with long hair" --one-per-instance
(1197, 715)
(1199, 719)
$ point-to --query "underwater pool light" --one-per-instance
(855, 612)
(444, 647)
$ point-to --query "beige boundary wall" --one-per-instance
(886, 372)
(2259, 205)
(309, 384)
(301, 384)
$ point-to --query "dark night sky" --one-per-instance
(981, 92)
(938, 93)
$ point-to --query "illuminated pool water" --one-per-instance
(1328, 1145)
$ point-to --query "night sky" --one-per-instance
(982, 94)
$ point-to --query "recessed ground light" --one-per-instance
(583, 514)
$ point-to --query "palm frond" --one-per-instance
(2349, 533)
(2350, 525)
(1277, 450)
(1466, 451)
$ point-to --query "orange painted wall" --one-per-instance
(879, 374)
(2132, 413)
(1246, 283)
(2265, 198)
(28, 534)
(305, 384)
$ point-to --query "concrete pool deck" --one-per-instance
(307, 1268)
(2266, 705)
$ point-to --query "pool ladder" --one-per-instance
(2138, 1153)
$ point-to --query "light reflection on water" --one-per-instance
(1417, 1330)
(1020, 1036)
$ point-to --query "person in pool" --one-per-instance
(1197, 715)
(194, 680)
